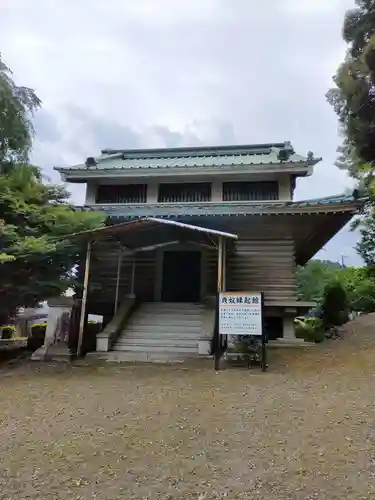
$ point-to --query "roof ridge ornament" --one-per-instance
(90, 162)
(286, 152)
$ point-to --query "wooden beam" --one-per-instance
(224, 265)
(119, 261)
(220, 265)
(84, 299)
(132, 283)
(217, 338)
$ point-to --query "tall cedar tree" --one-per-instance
(35, 261)
(353, 99)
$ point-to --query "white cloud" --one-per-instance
(166, 72)
(316, 7)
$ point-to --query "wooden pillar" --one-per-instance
(132, 283)
(220, 260)
(217, 342)
(224, 265)
(84, 299)
(118, 278)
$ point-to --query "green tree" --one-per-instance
(358, 283)
(335, 304)
(360, 288)
(353, 99)
(314, 276)
(35, 260)
(17, 105)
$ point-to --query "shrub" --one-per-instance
(335, 305)
(249, 347)
(8, 331)
(309, 329)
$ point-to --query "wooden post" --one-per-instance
(264, 363)
(224, 287)
(132, 283)
(220, 265)
(219, 289)
(118, 278)
(84, 299)
(224, 266)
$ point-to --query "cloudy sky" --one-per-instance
(154, 73)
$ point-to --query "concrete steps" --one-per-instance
(160, 332)
(146, 357)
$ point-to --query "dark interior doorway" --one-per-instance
(181, 277)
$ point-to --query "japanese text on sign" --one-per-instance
(240, 313)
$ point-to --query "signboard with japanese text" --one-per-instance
(240, 313)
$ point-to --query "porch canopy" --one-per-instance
(147, 234)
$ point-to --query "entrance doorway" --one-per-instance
(181, 280)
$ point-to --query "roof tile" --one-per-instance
(220, 209)
(222, 156)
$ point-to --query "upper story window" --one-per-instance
(250, 191)
(182, 193)
(128, 193)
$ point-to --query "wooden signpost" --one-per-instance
(241, 313)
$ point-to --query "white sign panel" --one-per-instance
(240, 313)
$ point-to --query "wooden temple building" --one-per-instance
(184, 223)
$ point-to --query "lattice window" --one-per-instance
(250, 191)
(183, 193)
(128, 193)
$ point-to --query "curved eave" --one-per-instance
(318, 230)
(170, 210)
(82, 175)
(312, 224)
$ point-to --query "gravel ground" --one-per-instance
(303, 430)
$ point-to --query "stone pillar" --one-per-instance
(289, 333)
(55, 345)
(288, 328)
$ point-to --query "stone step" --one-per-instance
(156, 348)
(159, 306)
(160, 334)
(189, 316)
(173, 342)
(173, 305)
(147, 357)
(160, 329)
(158, 319)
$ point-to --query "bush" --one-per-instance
(7, 332)
(249, 347)
(309, 329)
(335, 305)
(359, 284)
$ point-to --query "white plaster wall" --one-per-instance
(152, 192)
(217, 190)
(285, 187)
(91, 190)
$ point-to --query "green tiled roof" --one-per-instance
(327, 200)
(228, 208)
(221, 156)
